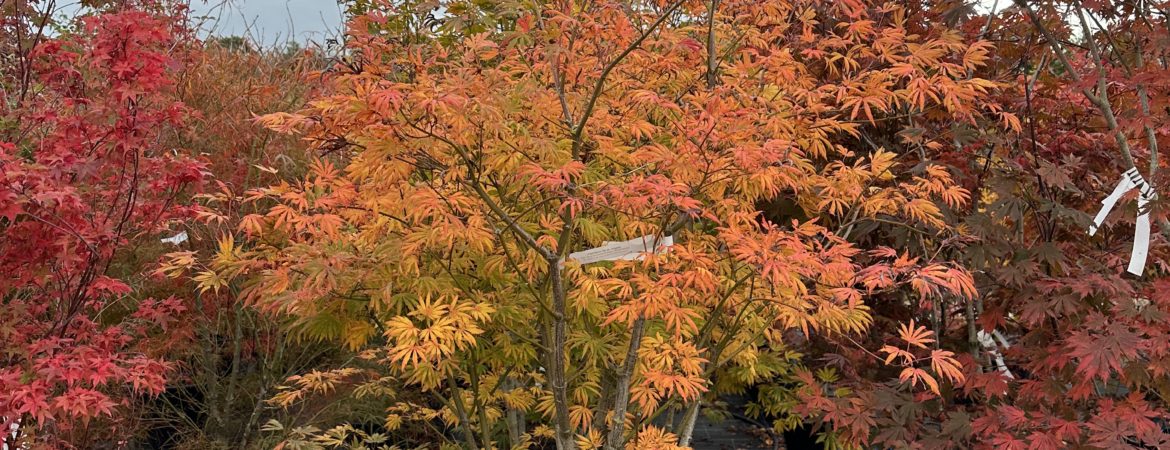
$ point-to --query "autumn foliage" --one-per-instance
(476, 167)
(82, 174)
(867, 218)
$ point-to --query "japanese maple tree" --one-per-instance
(82, 173)
(1085, 342)
(464, 164)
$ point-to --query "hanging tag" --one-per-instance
(1141, 236)
(15, 432)
(1125, 185)
(625, 250)
(1141, 240)
(988, 342)
(176, 239)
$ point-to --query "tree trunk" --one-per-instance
(687, 428)
(621, 398)
(461, 412)
(514, 418)
(557, 380)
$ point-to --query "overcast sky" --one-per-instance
(278, 21)
(270, 21)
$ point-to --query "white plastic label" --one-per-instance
(176, 239)
(988, 342)
(624, 250)
(1141, 240)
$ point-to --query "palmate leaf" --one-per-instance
(946, 366)
(917, 336)
(914, 376)
(322, 327)
(1099, 356)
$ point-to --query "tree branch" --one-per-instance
(483, 195)
(585, 115)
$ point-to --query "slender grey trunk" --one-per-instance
(972, 332)
(687, 427)
(605, 400)
(557, 380)
(514, 418)
(712, 61)
(621, 398)
(233, 382)
(461, 412)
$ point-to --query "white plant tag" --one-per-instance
(1131, 180)
(988, 342)
(15, 428)
(177, 239)
(623, 250)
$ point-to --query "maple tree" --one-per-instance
(464, 168)
(1063, 350)
(1087, 340)
(81, 174)
(229, 358)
